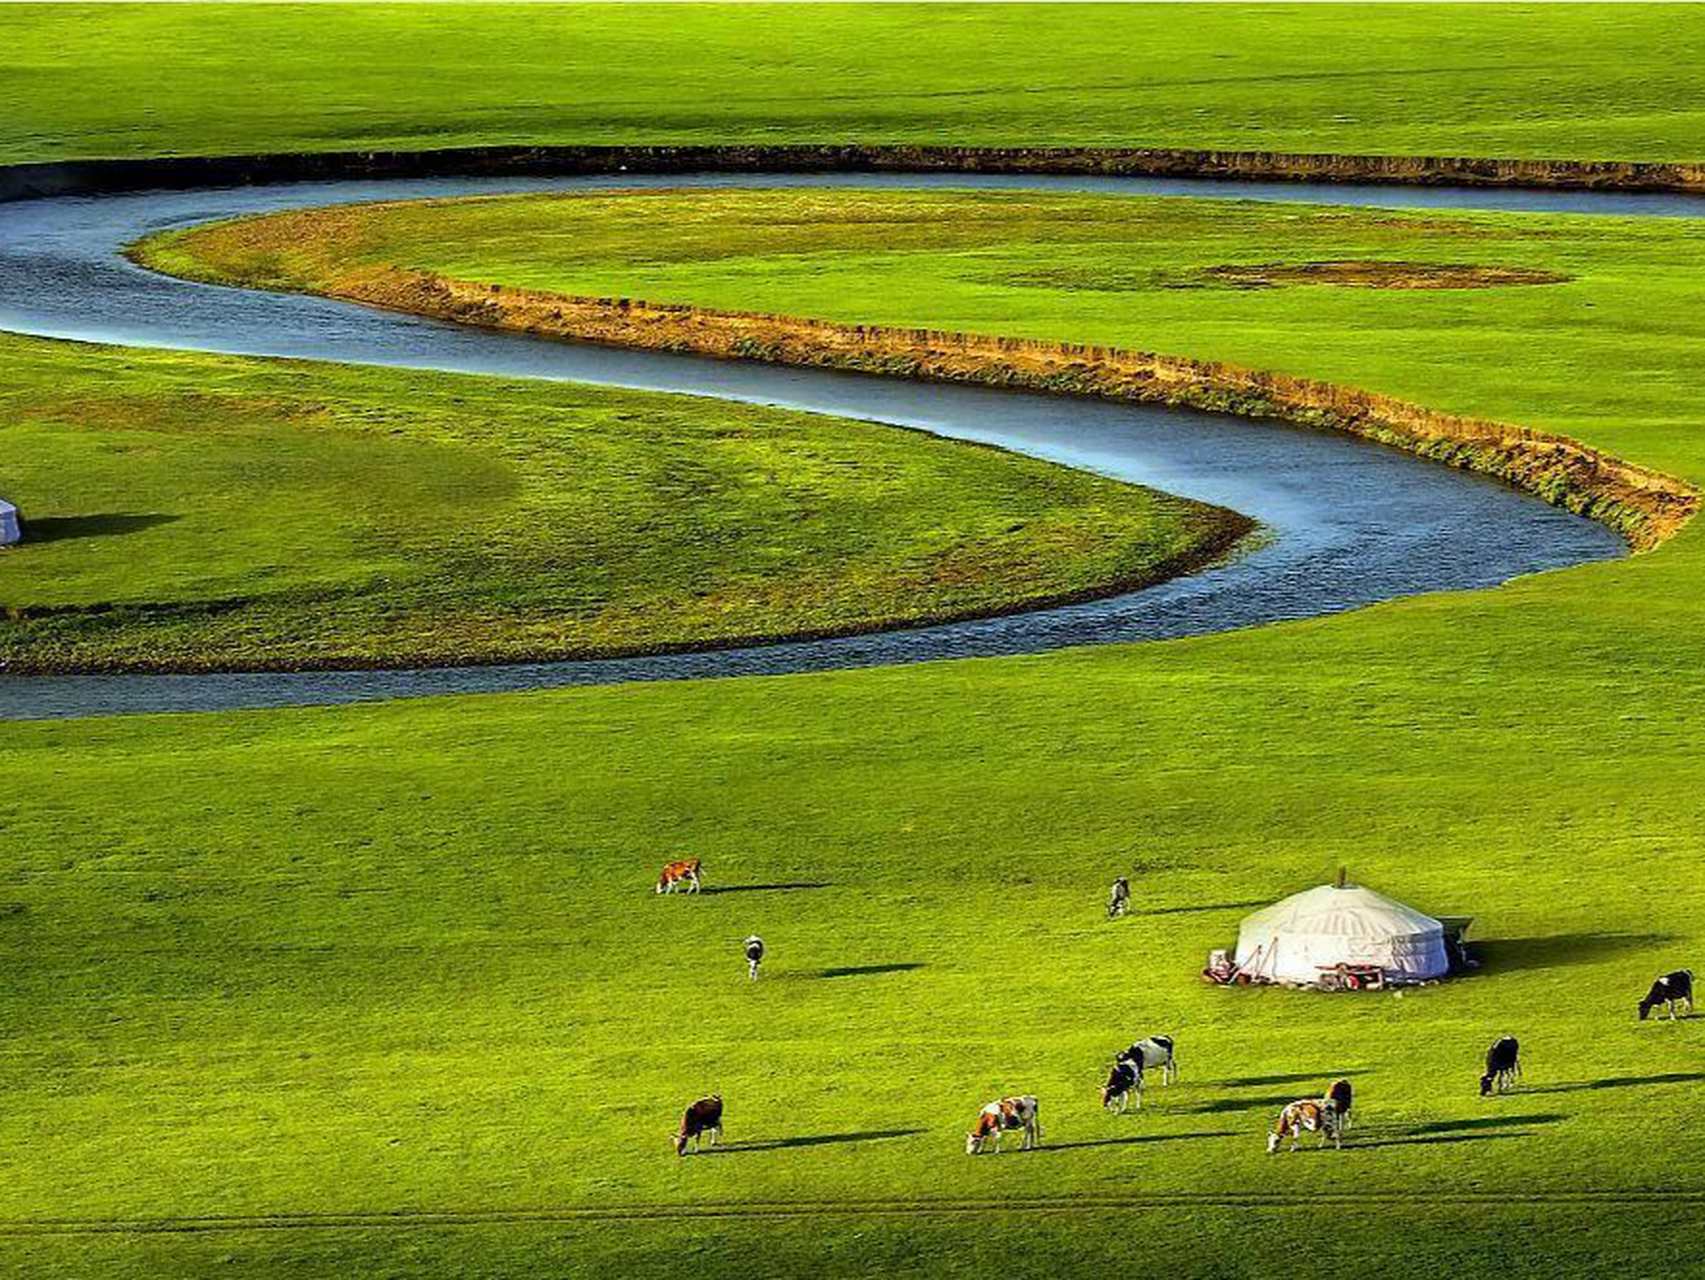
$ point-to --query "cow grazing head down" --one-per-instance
(703, 1117)
(1021, 1114)
(1124, 1080)
(1669, 990)
(1503, 1066)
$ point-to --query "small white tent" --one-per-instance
(9, 530)
(1318, 929)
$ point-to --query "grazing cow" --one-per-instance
(1503, 1066)
(678, 875)
(1336, 1109)
(1125, 1079)
(1119, 898)
(1002, 1117)
(1670, 990)
(754, 956)
(1306, 1115)
(1155, 1051)
(704, 1116)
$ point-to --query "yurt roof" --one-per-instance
(1351, 911)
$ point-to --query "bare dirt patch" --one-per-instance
(1363, 274)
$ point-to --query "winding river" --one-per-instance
(1347, 523)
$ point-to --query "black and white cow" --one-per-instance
(1124, 1081)
(1118, 898)
(1503, 1066)
(1152, 1052)
(1670, 990)
(754, 948)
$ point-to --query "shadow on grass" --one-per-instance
(810, 1140)
(1298, 1077)
(1440, 1132)
(1505, 955)
(1223, 1106)
(1623, 1082)
(1215, 906)
(797, 887)
(62, 528)
(868, 970)
(1137, 1140)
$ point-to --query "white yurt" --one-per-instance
(10, 531)
(1308, 933)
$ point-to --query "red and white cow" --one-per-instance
(999, 1118)
(679, 875)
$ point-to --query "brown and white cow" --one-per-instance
(1306, 1115)
(703, 1117)
(678, 874)
(1002, 1117)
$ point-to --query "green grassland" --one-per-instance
(1609, 354)
(403, 959)
(406, 958)
(1582, 81)
(192, 511)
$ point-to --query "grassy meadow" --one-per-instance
(190, 512)
(1604, 81)
(383, 991)
(351, 964)
(396, 959)
(1608, 352)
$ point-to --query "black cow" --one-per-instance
(1670, 990)
(1503, 1066)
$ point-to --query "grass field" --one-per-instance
(192, 511)
(1576, 81)
(405, 958)
(1150, 274)
(383, 991)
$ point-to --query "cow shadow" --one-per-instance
(810, 1140)
(108, 525)
(1138, 1140)
(1442, 1132)
(1621, 1082)
(1184, 911)
(870, 970)
(1295, 1077)
(1506, 955)
(1224, 1106)
(795, 887)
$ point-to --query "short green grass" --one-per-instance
(1596, 81)
(190, 511)
(1610, 355)
(406, 958)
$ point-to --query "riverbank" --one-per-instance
(190, 512)
(107, 176)
(350, 252)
